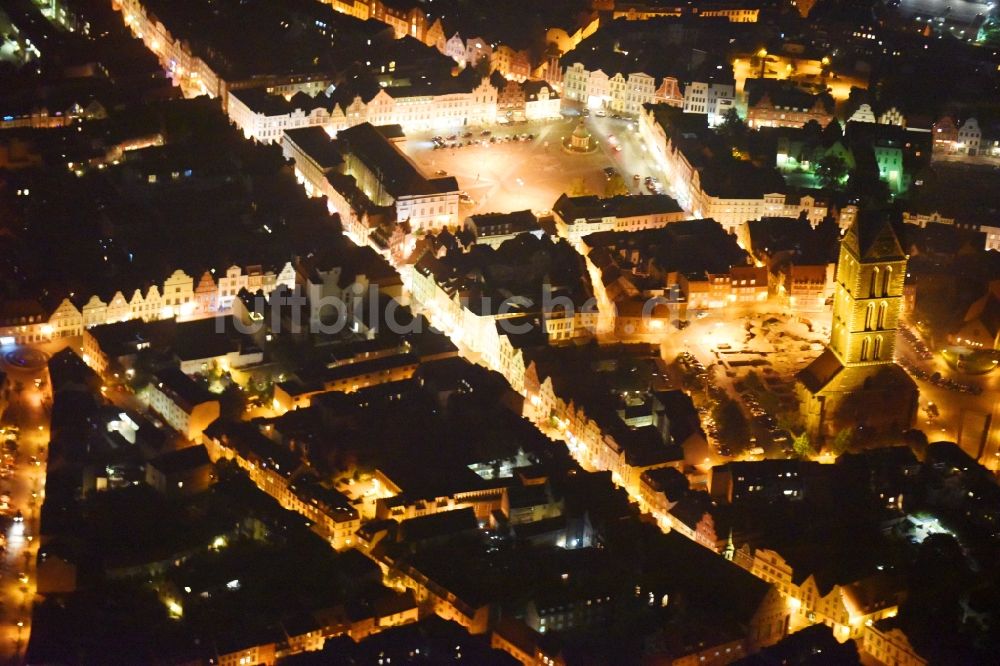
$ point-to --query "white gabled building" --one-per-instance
(454, 48)
(625, 93)
(432, 105)
(969, 137)
(712, 99)
(263, 117)
(175, 297)
(620, 93)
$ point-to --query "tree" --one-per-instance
(917, 441)
(578, 188)
(831, 170)
(732, 124)
(872, 191)
(734, 129)
(734, 430)
(813, 132)
(232, 402)
(832, 133)
(482, 68)
(616, 186)
(803, 446)
(938, 578)
(841, 442)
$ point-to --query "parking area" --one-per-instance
(505, 174)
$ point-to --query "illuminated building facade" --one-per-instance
(856, 381)
(175, 297)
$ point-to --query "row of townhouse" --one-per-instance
(186, 406)
(414, 22)
(179, 296)
(966, 138)
(683, 164)
(483, 334)
(196, 77)
(577, 217)
(441, 601)
(278, 472)
(525, 100)
(496, 335)
(447, 104)
(860, 610)
(590, 444)
(444, 104)
(619, 93)
(483, 501)
(735, 11)
(264, 117)
(627, 93)
(448, 312)
(186, 69)
(454, 102)
(586, 440)
(742, 285)
(991, 232)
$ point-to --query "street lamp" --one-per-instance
(762, 54)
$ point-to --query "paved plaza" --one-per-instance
(516, 175)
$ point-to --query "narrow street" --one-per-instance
(28, 412)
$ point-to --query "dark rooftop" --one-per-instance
(592, 207)
(187, 458)
(398, 175)
(181, 387)
(317, 144)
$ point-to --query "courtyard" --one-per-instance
(516, 175)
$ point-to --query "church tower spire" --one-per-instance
(869, 293)
(855, 381)
(730, 550)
